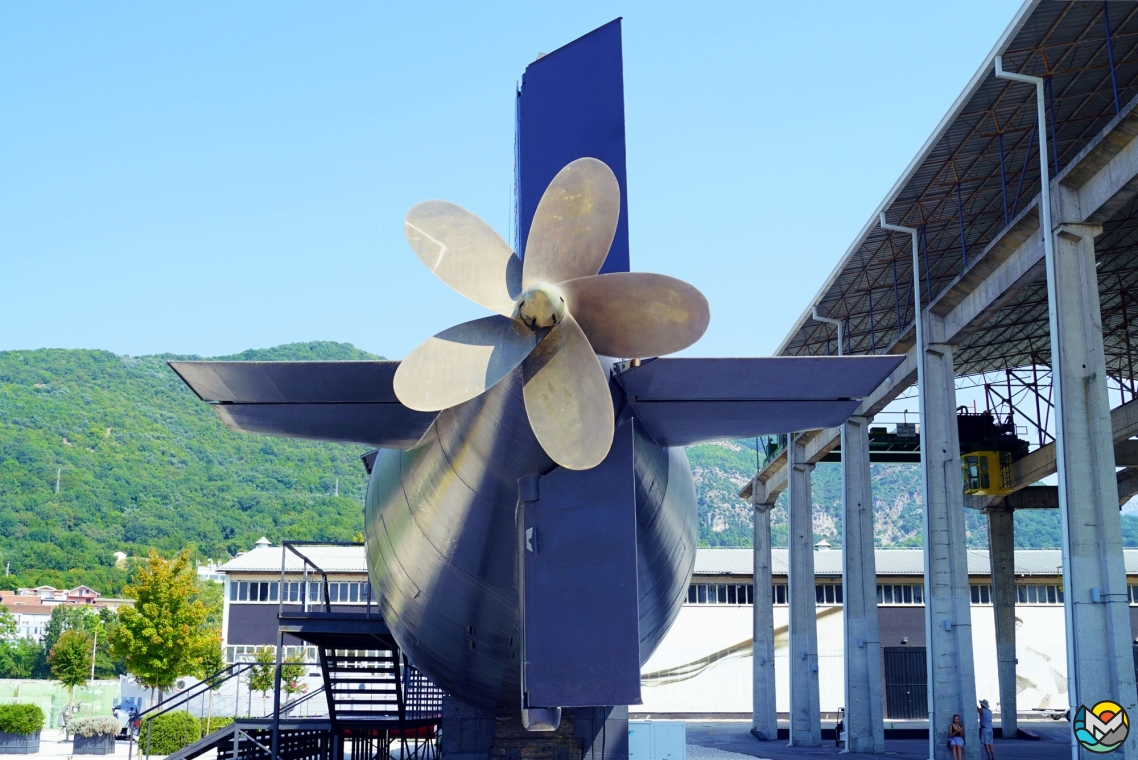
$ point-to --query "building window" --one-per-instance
(339, 592)
(1039, 594)
(308, 653)
(981, 593)
(245, 652)
(900, 594)
(778, 593)
(828, 593)
(721, 593)
(1133, 594)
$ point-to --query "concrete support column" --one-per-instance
(864, 728)
(764, 725)
(948, 618)
(1001, 552)
(1099, 660)
(805, 713)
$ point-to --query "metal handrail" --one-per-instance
(207, 684)
(291, 546)
(287, 706)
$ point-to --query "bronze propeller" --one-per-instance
(553, 313)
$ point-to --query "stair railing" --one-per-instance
(210, 683)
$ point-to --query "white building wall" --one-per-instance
(704, 663)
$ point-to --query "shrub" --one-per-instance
(171, 732)
(21, 719)
(209, 725)
(96, 726)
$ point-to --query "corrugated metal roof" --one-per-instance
(351, 559)
(331, 559)
(976, 173)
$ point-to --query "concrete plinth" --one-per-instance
(1001, 551)
(467, 731)
(763, 718)
(805, 713)
(1100, 662)
(865, 732)
(948, 616)
(585, 733)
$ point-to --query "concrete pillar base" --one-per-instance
(585, 733)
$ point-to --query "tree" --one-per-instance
(163, 636)
(65, 617)
(17, 654)
(96, 623)
(211, 594)
(212, 663)
(70, 661)
(7, 624)
(292, 671)
(261, 675)
(19, 658)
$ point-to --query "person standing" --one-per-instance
(956, 737)
(986, 737)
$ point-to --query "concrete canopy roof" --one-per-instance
(974, 176)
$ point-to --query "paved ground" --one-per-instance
(734, 736)
(54, 744)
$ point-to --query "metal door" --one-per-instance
(906, 683)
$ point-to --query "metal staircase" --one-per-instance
(379, 706)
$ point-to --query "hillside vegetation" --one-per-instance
(142, 463)
(722, 469)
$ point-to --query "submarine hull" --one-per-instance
(442, 542)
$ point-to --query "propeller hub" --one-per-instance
(541, 306)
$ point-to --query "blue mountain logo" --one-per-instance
(1102, 728)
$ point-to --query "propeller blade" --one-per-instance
(635, 315)
(574, 224)
(461, 362)
(568, 399)
(465, 253)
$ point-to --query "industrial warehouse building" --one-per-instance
(704, 665)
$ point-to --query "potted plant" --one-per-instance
(93, 736)
(20, 727)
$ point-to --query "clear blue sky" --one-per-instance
(210, 177)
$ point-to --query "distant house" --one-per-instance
(32, 607)
(210, 571)
(81, 595)
(30, 613)
(46, 594)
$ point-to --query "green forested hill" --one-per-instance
(143, 463)
(721, 469)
